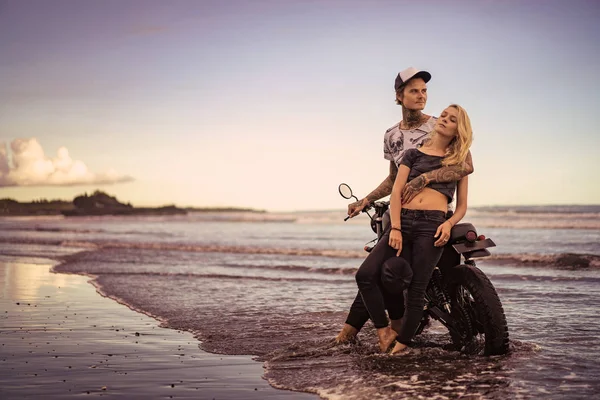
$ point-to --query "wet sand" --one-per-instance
(59, 338)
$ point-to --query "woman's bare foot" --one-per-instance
(347, 334)
(399, 348)
(386, 336)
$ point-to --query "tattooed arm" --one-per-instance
(444, 174)
(384, 189)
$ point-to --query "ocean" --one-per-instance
(277, 286)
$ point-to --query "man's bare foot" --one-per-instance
(347, 334)
(387, 336)
(399, 348)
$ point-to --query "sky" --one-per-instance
(272, 104)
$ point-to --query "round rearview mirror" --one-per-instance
(345, 191)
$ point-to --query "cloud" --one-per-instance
(30, 167)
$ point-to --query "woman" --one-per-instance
(416, 225)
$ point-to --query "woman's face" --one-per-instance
(447, 123)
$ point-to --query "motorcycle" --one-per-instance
(459, 295)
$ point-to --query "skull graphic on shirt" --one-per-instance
(396, 144)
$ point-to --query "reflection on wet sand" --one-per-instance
(27, 280)
(60, 339)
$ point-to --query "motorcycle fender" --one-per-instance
(468, 247)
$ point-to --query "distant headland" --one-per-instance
(98, 203)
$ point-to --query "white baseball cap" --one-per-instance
(408, 74)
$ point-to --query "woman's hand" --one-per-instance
(443, 234)
(395, 241)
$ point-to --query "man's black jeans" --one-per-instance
(418, 228)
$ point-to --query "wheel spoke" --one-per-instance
(471, 327)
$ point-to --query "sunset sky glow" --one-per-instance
(271, 104)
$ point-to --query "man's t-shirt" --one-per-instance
(396, 141)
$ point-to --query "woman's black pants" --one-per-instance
(418, 228)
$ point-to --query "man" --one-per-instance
(410, 132)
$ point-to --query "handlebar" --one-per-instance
(377, 205)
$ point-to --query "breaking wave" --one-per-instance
(566, 260)
(560, 260)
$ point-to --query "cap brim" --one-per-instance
(426, 76)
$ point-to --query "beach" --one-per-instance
(60, 338)
(175, 181)
(245, 306)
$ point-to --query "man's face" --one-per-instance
(414, 95)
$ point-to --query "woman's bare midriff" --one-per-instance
(428, 199)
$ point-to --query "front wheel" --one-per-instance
(477, 312)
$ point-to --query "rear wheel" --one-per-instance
(477, 313)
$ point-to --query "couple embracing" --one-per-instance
(429, 164)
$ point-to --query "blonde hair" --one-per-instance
(459, 146)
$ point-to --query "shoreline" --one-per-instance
(62, 337)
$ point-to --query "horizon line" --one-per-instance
(256, 209)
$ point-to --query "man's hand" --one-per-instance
(355, 208)
(413, 188)
(395, 241)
